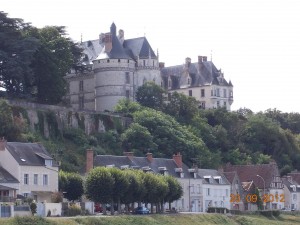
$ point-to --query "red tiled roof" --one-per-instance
(248, 173)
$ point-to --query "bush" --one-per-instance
(74, 210)
(31, 220)
(270, 213)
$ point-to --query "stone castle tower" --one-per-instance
(112, 68)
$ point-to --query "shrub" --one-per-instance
(31, 220)
(74, 210)
(270, 213)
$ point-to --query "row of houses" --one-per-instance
(28, 170)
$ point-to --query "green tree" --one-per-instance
(71, 184)
(99, 185)
(151, 95)
(54, 58)
(182, 107)
(120, 187)
(138, 137)
(127, 107)
(175, 190)
(16, 55)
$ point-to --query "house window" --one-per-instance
(48, 162)
(81, 102)
(190, 92)
(294, 197)
(218, 92)
(212, 92)
(127, 78)
(208, 192)
(225, 93)
(45, 179)
(198, 188)
(189, 81)
(108, 60)
(81, 85)
(127, 94)
(26, 195)
(35, 179)
(26, 178)
(144, 62)
(192, 189)
(153, 63)
(35, 198)
(119, 60)
(231, 94)
(202, 93)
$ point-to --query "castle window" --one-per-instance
(81, 85)
(81, 102)
(212, 92)
(108, 60)
(119, 60)
(190, 92)
(224, 93)
(127, 77)
(218, 92)
(153, 63)
(169, 83)
(144, 62)
(202, 93)
(128, 61)
(127, 94)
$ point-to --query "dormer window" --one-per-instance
(193, 172)
(162, 170)
(207, 179)
(48, 162)
(218, 179)
(146, 168)
(124, 167)
(189, 81)
(179, 171)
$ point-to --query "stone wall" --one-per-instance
(50, 117)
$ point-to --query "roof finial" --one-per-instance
(211, 55)
(157, 55)
(81, 38)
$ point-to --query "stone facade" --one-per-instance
(112, 68)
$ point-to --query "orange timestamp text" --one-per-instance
(253, 198)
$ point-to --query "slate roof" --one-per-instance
(131, 49)
(289, 182)
(248, 173)
(295, 175)
(203, 73)
(4, 188)
(29, 154)
(139, 162)
(213, 173)
(6, 177)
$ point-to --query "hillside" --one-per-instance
(206, 138)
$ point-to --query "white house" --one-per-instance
(216, 189)
(291, 193)
(32, 170)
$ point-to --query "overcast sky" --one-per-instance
(256, 43)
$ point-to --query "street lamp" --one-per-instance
(264, 189)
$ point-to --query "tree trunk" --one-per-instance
(170, 207)
(104, 209)
(112, 210)
(152, 208)
(162, 207)
(119, 206)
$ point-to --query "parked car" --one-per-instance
(141, 210)
(98, 208)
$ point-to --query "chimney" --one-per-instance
(204, 58)
(187, 62)
(121, 36)
(89, 160)
(129, 155)
(2, 144)
(149, 157)
(101, 38)
(200, 59)
(178, 159)
(108, 42)
(161, 65)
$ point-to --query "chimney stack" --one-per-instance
(149, 157)
(129, 155)
(204, 58)
(2, 144)
(108, 42)
(89, 160)
(188, 62)
(161, 65)
(178, 159)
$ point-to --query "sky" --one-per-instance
(256, 43)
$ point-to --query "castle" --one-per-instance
(113, 68)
